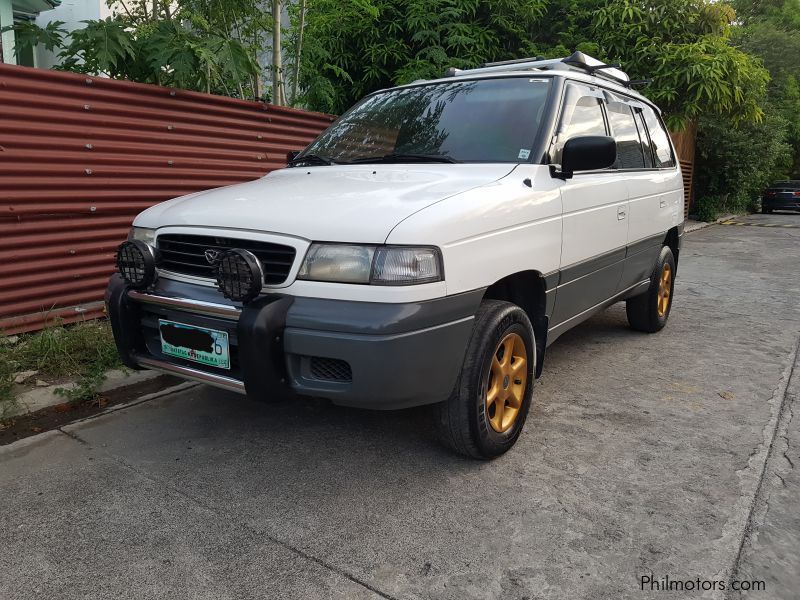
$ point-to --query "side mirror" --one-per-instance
(586, 153)
(291, 155)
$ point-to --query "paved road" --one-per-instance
(667, 455)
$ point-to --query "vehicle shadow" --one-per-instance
(315, 428)
(412, 430)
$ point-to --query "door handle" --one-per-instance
(662, 203)
(621, 213)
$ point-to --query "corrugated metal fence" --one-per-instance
(81, 156)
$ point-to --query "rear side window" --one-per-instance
(643, 135)
(623, 127)
(581, 117)
(660, 140)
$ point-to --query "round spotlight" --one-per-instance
(136, 263)
(239, 275)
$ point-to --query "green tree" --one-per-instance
(353, 47)
(736, 161)
(684, 47)
(770, 29)
(356, 46)
(193, 44)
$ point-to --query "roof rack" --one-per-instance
(577, 61)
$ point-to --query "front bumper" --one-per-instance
(371, 355)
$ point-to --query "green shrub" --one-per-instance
(707, 208)
(734, 163)
(710, 208)
(7, 399)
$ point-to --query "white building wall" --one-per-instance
(72, 12)
(7, 38)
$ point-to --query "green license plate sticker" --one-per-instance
(200, 345)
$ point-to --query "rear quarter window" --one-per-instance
(659, 139)
(630, 154)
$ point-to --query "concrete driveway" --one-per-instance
(666, 456)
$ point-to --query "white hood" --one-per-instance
(340, 203)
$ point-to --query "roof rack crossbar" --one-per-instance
(577, 61)
(600, 67)
(515, 61)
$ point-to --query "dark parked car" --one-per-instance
(783, 195)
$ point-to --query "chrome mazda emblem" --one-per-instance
(211, 256)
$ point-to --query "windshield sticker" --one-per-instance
(524, 154)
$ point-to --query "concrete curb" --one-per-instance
(691, 225)
(44, 397)
(64, 429)
(164, 391)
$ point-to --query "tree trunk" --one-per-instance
(299, 51)
(278, 97)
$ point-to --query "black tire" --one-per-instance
(766, 211)
(465, 422)
(646, 312)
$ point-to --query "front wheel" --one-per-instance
(649, 311)
(485, 413)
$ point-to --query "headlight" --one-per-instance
(378, 265)
(342, 263)
(148, 236)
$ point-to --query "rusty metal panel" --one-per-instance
(81, 156)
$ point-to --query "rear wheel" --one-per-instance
(649, 311)
(485, 413)
(766, 211)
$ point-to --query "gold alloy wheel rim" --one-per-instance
(664, 290)
(508, 375)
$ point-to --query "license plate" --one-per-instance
(204, 346)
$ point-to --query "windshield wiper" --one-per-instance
(312, 158)
(399, 157)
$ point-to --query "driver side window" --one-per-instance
(583, 116)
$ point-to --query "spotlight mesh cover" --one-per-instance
(239, 275)
(136, 264)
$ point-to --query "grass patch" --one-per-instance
(7, 399)
(83, 351)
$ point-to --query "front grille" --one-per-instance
(185, 254)
(330, 369)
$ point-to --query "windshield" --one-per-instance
(491, 120)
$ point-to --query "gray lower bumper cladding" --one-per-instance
(371, 355)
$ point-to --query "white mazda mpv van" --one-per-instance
(425, 249)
